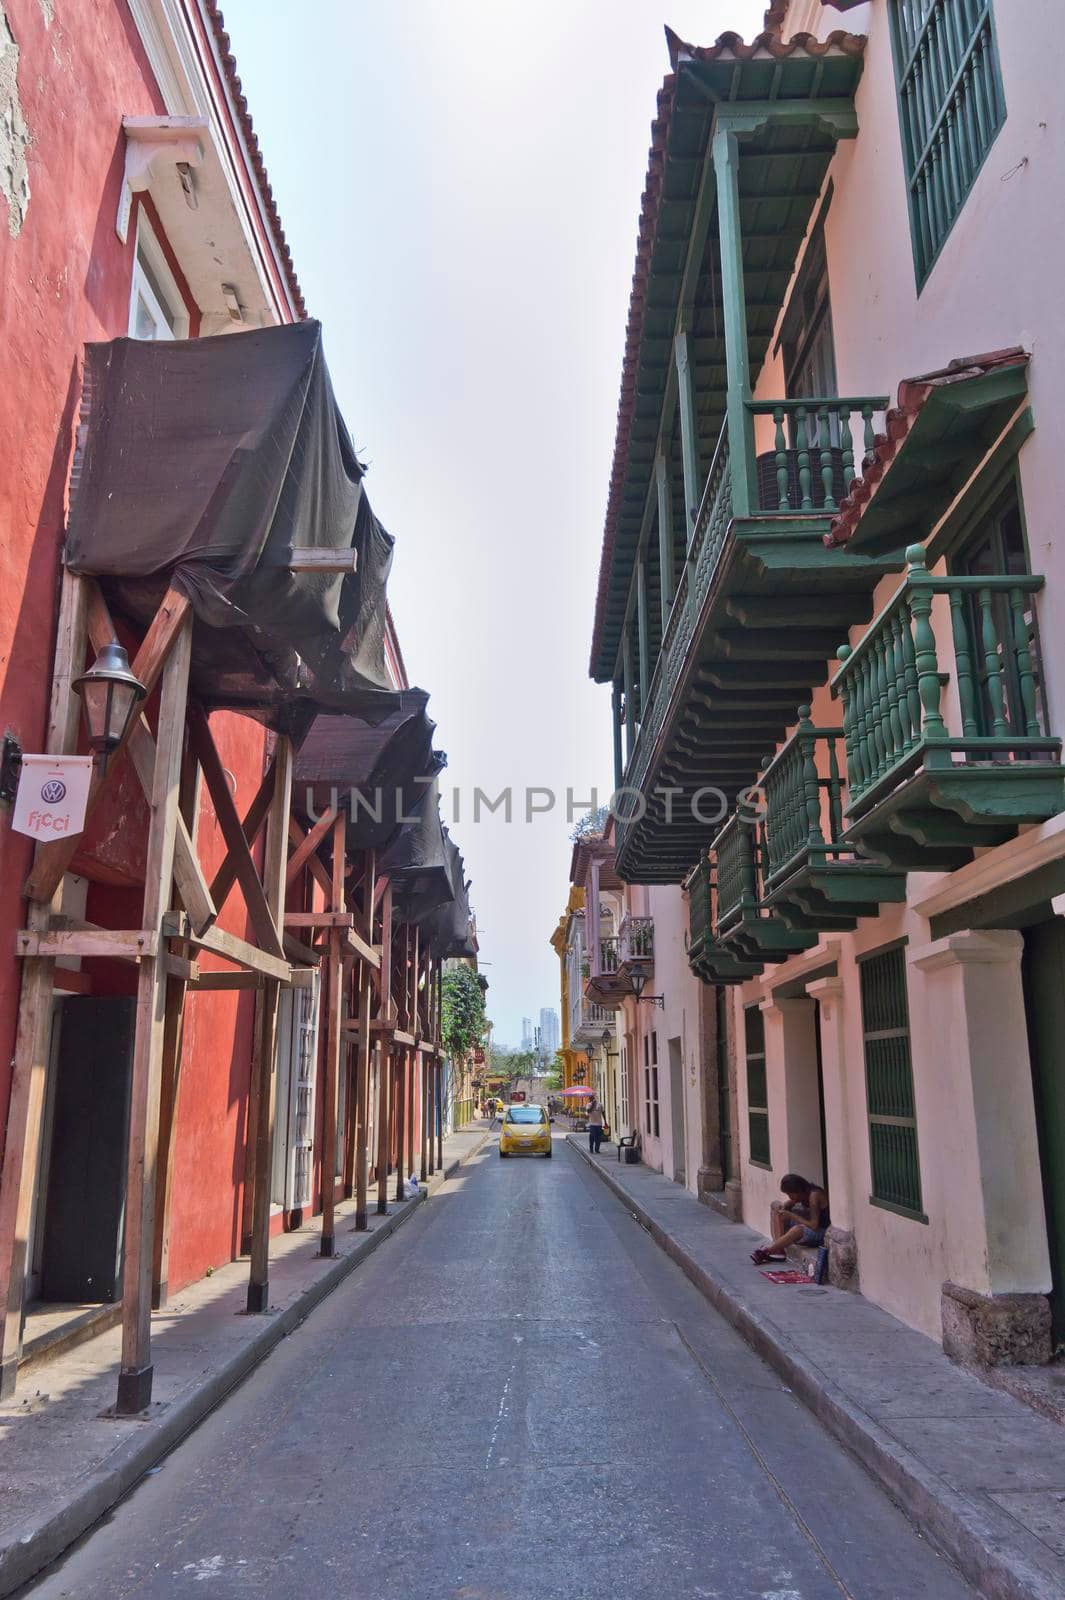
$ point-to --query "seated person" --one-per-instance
(803, 1220)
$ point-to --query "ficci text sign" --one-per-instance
(52, 795)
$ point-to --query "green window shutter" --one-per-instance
(889, 1083)
(951, 107)
(757, 1093)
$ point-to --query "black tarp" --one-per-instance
(377, 763)
(203, 462)
(417, 863)
(448, 929)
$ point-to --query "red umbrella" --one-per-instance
(580, 1089)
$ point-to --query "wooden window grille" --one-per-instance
(951, 106)
(896, 1171)
(757, 1090)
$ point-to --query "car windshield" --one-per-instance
(525, 1114)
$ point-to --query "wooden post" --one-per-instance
(440, 1112)
(742, 467)
(667, 583)
(135, 1374)
(362, 1095)
(423, 1123)
(264, 1053)
(18, 1178)
(170, 1088)
(384, 1133)
(689, 433)
(619, 759)
(642, 632)
(333, 1046)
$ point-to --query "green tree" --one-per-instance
(463, 1012)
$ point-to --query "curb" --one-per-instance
(31, 1547)
(950, 1520)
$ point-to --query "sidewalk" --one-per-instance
(63, 1463)
(978, 1472)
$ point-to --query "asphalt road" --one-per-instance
(518, 1398)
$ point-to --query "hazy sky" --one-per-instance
(460, 182)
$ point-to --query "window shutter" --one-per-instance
(757, 1090)
(951, 107)
(889, 1083)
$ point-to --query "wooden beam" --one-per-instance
(314, 864)
(356, 945)
(25, 1112)
(228, 946)
(264, 1062)
(230, 980)
(254, 817)
(247, 874)
(116, 945)
(180, 967)
(309, 558)
(53, 859)
(320, 919)
(308, 846)
(336, 979)
(135, 1374)
(300, 954)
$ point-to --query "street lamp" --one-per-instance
(638, 980)
(109, 695)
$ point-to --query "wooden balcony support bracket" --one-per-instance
(228, 946)
(19, 1171)
(252, 825)
(312, 861)
(308, 846)
(244, 868)
(53, 859)
(260, 1147)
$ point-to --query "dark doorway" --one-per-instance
(81, 1256)
(1044, 999)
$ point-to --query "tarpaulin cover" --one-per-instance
(417, 863)
(202, 462)
(377, 763)
(448, 929)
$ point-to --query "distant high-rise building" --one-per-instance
(527, 1040)
(550, 1032)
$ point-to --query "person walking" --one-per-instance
(596, 1118)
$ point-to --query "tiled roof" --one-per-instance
(729, 47)
(258, 165)
(912, 395)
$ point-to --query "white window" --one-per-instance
(297, 1065)
(156, 307)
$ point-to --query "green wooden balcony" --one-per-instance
(741, 924)
(946, 739)
(754, 620)
(709, 960)
(812, 876)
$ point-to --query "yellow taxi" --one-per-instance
(525, 1130)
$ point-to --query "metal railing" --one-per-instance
(638, 939)
(892, 683)
(803, 801)
(812, 464)
(609, 955)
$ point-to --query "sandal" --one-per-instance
(761, 1256)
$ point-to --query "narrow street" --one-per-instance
(521, 1397)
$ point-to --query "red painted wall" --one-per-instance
(64, 281)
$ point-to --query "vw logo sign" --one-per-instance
(53, 791)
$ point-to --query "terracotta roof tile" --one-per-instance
(258, 165)
(912, 394)
(728, 46)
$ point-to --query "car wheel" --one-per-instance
(548, 1154)
(502, 1154)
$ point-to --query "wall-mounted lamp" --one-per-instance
(110, 695)
(638, 979)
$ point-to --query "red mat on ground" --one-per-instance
(792, 1275)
